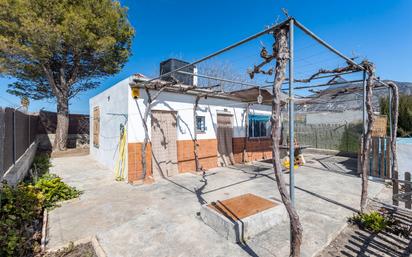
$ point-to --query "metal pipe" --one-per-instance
(326, 84)
(322, 42)
(241, 42)
(219, 79)
(291, 117)
(320, 77)
(364, 104)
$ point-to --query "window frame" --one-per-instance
(251, 127)
(201, 131)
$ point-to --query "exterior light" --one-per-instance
(135, 92)
(260, 99)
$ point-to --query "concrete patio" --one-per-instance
(162, 219)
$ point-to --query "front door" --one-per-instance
(164, 150)
(224, 139)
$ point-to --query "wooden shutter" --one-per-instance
(96, 126)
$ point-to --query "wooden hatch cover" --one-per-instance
(242, 206)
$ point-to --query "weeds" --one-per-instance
(383, 220)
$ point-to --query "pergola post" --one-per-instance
(364, 118)
(291, 117)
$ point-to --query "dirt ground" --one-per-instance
(81, 250)
(353, 241)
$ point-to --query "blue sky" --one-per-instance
(378, 30)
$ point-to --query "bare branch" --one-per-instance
(350, 67)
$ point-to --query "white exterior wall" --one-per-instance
(183, 104)
(113, 112)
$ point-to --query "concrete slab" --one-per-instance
(240, 218)
(162, 219)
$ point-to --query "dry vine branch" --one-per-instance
(281, 53)
(370, 69)
(350, 67)
(266, 59)
(195, 142)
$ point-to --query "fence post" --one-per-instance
(347, 136)
(375, 156)
(408, 190)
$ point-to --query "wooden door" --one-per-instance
(224, 139)
(164, 150)
(96, 126)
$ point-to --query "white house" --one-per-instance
(219, 124)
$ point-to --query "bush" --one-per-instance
(55, 190)
(373, 221)
(21, 209)
(41, 165)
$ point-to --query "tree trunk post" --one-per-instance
(370, 69)
(62, 128)
(195, 143)
(282, 55)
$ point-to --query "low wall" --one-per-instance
(18, 171)
(73, 141)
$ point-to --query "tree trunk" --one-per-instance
(368, 135)
(62, 128)
(195, 143)
(282, 54)
(146, 136)
(395, 114)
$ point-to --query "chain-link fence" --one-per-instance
(341, 137)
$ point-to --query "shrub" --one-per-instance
(21, 207)
(55, 190)
(373, 221)
(41, 164)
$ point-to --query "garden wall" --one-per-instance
(78, 130)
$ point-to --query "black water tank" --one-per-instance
(173, 64)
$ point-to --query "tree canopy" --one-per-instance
(58, 48)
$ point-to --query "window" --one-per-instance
(200, 124)
(259, 125)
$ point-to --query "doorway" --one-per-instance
(164, 150)
(224, 136)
